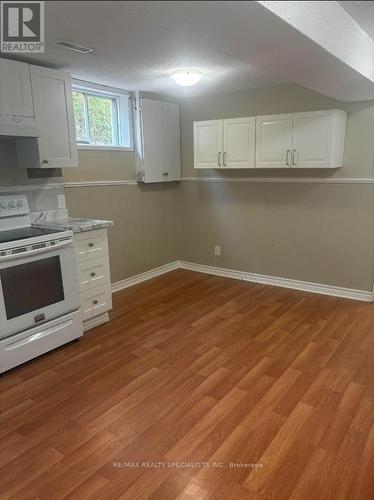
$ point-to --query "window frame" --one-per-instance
(123, 99)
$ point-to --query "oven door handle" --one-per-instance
(38, 251)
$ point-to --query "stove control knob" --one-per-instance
(3, 205)
(20, 203)
(11, 204)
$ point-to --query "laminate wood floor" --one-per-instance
(199, 387)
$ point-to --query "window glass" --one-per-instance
(102, 120)
(79, 113)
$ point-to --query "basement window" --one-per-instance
(102, 117)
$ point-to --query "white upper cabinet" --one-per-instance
(293, 140)
(157, 141)
(224, 143)
(54, 117)
(171, 130)
(239, 143)
(273, 141)
(153, 137)
(208, 144)
(312, 139)
(318, 139)
(15, 89)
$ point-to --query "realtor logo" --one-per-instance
(22, 27)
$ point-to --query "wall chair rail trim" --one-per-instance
(30, 187)
(74, 184)
(133, 182)
(297, 180)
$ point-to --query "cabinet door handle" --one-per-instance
(287, 155)
(93, 274)
(95, 302)
(219, 159)
(224, 159)
(45, 161)
(293, 157)
(91, 244)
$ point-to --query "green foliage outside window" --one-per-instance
(95, 119)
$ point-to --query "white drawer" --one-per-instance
(96, 301)
(92, 273)
(91, 245)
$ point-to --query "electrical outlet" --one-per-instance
(217, 250)
(61, 201)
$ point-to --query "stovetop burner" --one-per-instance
(24, 233)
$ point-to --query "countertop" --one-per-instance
(76, 225)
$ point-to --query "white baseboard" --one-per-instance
(139, 278)
(88, 324)
(306, 286)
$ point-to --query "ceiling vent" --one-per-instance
(75, 47)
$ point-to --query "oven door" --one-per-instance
(37, 286)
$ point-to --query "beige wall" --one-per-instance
(102, 165)
(315, 232)
(145, 234)
(312, 232)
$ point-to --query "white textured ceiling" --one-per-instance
(237, 45)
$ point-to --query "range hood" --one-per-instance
(15, 127)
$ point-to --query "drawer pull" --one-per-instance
(93, 274)
(95, 302)
(91, 244)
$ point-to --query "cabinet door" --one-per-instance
(273, 141)
(15, 89)
(172, 151)
(208, 142)
(313, 139)
(239, 142)
(54, 117)
(153, 139)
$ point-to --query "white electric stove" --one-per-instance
(39, 296)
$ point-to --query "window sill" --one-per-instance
(91, 147)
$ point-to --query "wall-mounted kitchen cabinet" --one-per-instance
(273, 141)
(224, 143)
(54, 118)
(157, 141)
(208, 144)
(312, 139)
(36, 111)
(293, 140)
(15, 89)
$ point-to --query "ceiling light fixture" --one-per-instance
(75, 47)
(186, 77)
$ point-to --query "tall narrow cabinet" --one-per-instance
(157, 141)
